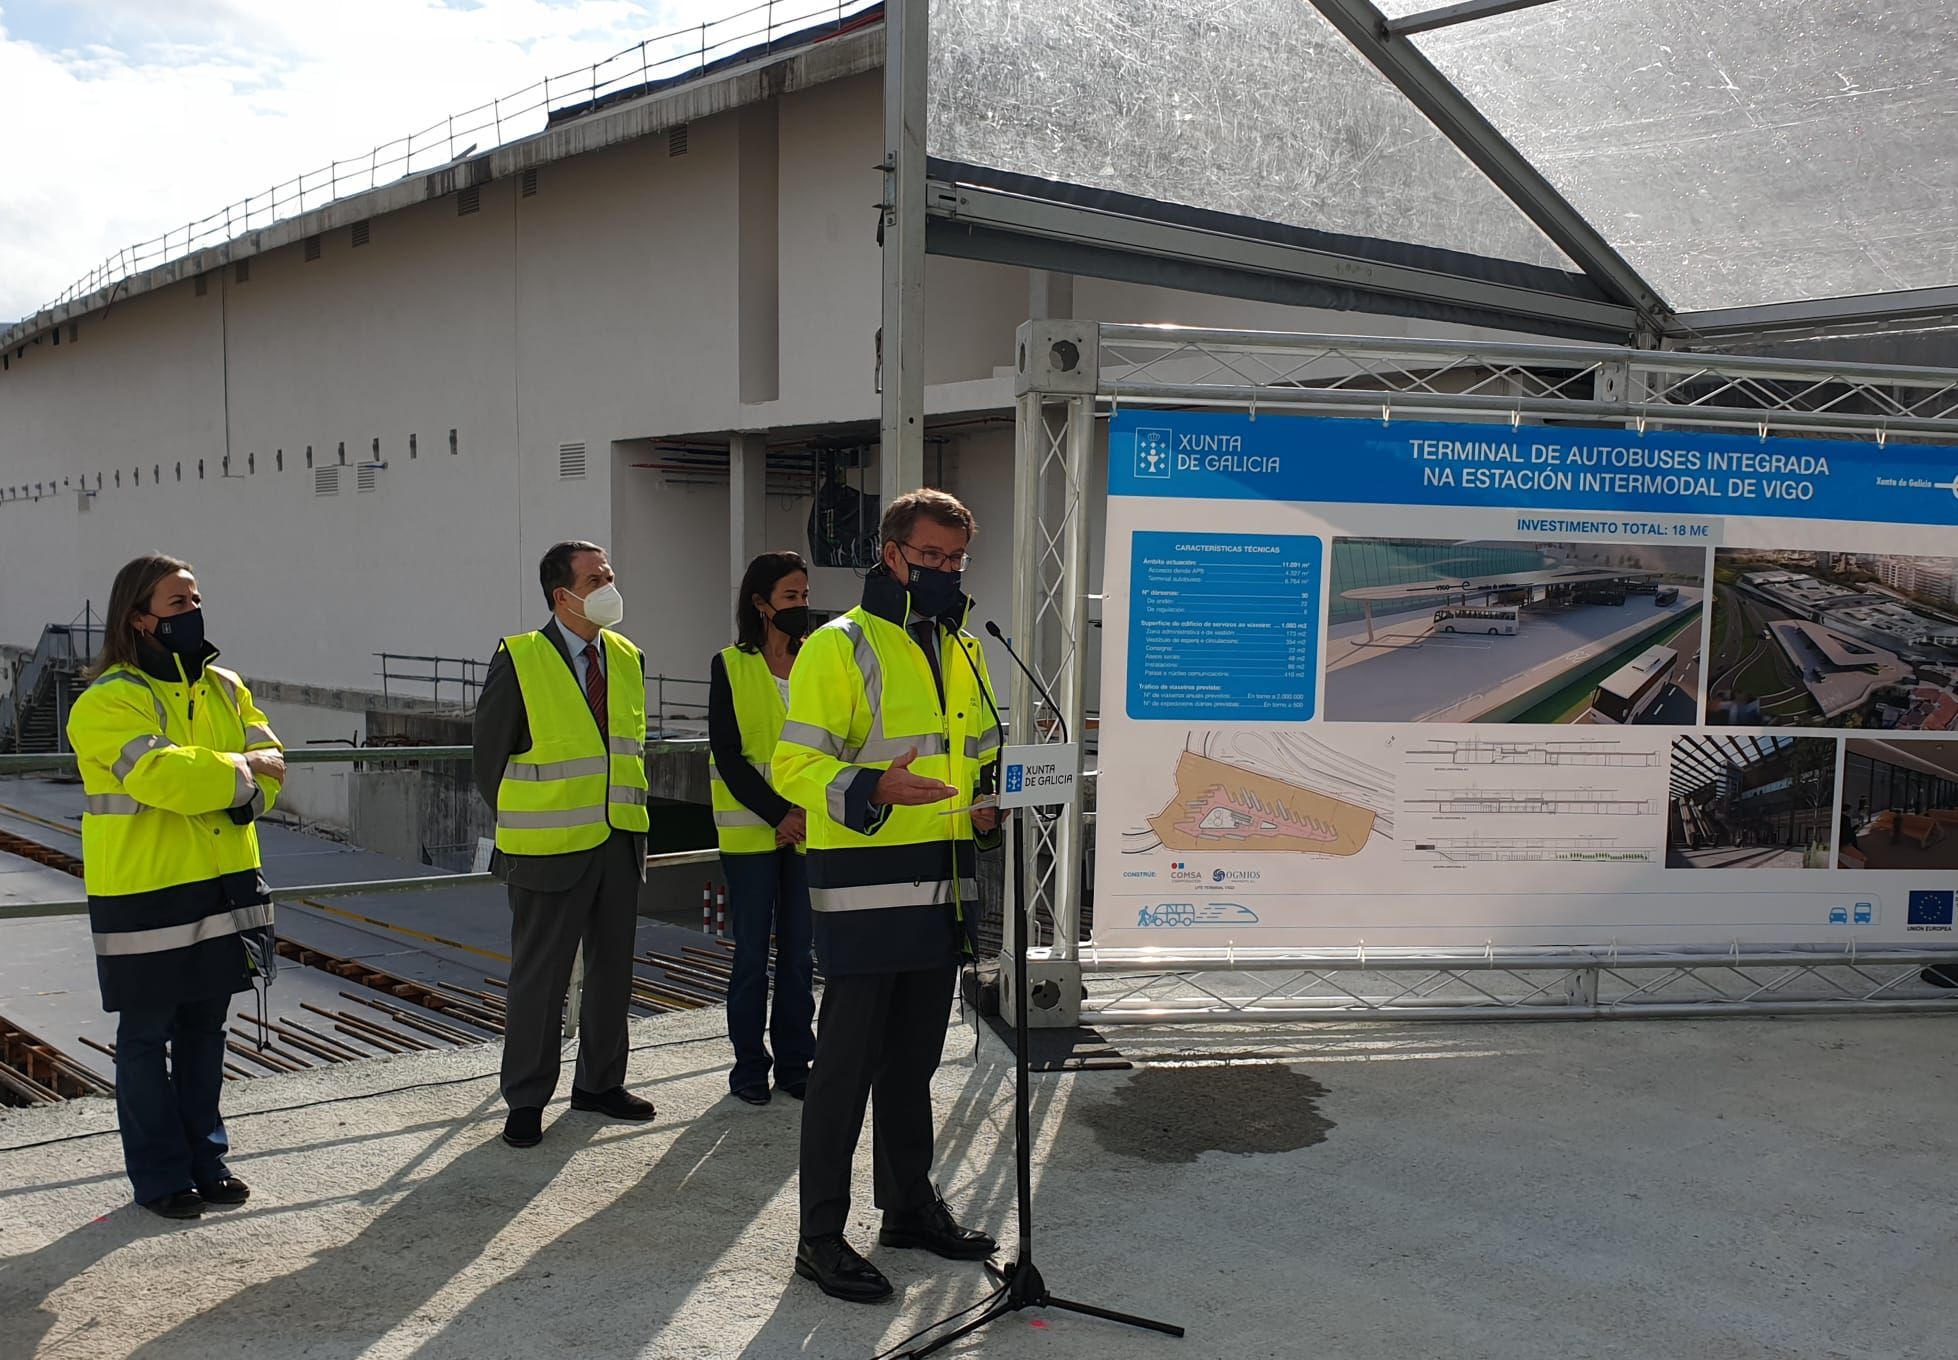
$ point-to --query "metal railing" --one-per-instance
(465, 673)
(666, 56)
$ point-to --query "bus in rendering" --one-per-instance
(1495, 619)
(1633, 688)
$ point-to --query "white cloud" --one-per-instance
(129, 118)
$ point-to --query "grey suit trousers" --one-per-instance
(600, 910)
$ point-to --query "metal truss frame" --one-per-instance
(1069, 372)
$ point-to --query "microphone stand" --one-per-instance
(1024, 1287)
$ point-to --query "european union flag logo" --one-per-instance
(1930, 909)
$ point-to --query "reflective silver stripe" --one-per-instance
(879, 896)
(867, 663)
(976, 747)
(625, 746)
(136, 749)
(230, 687)
(111, 805)
(214, 927)
(814, 737)
(833, 794)
(742, 817)
(258, 734)
(890, 748)
(124, 677)
(620, 794)
(246, 786)
(582, 768)
(550, 821)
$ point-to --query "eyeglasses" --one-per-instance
(939, 561)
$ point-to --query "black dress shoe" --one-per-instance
(794, 1090)
(935, 1230)
(524, 1128)
(225, 1190)
(839, 1271)
(754, 1095)
(617, 1103)
(183, 1204)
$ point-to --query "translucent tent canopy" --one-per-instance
(1721, 157)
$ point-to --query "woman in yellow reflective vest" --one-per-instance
(177, 763)
(761, 832)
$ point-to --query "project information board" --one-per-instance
(1424, 685)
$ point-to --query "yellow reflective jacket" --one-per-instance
(169, 851)
(760, 713)
(862, 694)
(575, 785)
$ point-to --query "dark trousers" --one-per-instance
(169, 1071)
(881, 1033)
(600, 911)
(769, 894)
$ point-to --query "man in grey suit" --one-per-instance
(560, 739)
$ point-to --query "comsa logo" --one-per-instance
(1930, 910)
(1154, 453)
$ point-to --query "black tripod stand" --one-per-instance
(1023, 1284)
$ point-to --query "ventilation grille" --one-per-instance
(366, 477)
(360, 233)
(312, 248)
(469, 200)
(676, 140)
(570, 462)
(530, 184)
(326, 481)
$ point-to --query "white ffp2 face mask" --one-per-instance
(604, 606)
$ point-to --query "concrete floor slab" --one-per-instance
(1742, 1189)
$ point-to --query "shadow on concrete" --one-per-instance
(354, 1295)
(26, 1281)
(611, 1284)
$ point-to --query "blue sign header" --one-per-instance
(1221, 456)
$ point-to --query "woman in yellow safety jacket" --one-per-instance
(177, 763)
(760, 831)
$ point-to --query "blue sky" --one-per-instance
(128, 118)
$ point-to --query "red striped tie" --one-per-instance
(595, 684)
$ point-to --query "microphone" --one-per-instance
(1027, 671)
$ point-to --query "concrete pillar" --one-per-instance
(747, 502)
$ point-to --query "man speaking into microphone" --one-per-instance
(891, 726)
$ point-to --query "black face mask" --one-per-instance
(936, 594)
(794, 622)
(182, 634)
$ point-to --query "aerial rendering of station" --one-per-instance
(1549, 632)
(1751, 802)
(1834, 640)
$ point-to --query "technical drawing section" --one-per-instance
(1599, 753)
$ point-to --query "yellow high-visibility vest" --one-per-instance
(161, 765)
(862, 694)
(760, 711)
(576, 784)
